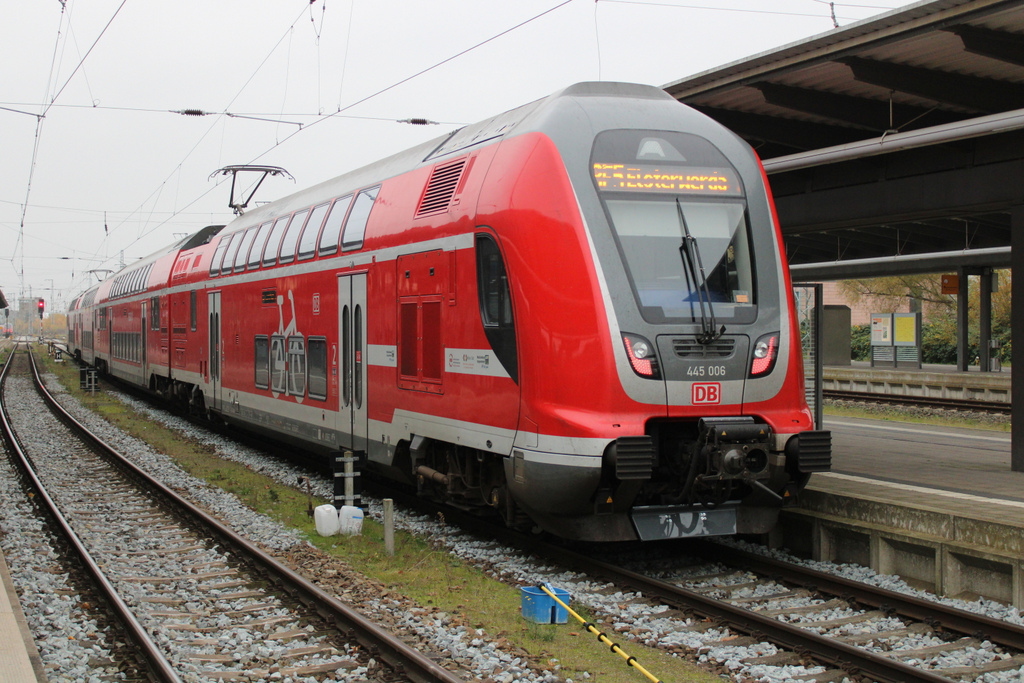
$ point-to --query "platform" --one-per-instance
(930, 381)
(936, 506)
(19, 658)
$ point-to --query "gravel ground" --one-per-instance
(632, 617)
(435, 629)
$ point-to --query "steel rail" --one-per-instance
(854, 660)
(951, 618)
(950, 403)
(382, 644)
(155, 659)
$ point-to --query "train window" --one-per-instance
(355, 226)
(357, 335)
(154, 313)
(316, 356)
(296, 366)
(683, 231)
(218, 255)
(242, 257)
(278, 380)
(274, 241)
(496, 303)
(291, 236)
(262, 360)
(193, 312)
(672, 282)
(258, 243)
(346, 354)
(332, 227)
(231, 254)
(307, 243)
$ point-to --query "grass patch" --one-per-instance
(418, 570)
(996, 423)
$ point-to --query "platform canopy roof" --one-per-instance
(887, 140)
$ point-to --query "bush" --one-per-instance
(938, 344)
(860, 342)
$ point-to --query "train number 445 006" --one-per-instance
(706, 371)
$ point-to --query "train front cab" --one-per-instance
(713, 326)
(710, 434)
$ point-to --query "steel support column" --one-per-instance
(985, 321)
(962, 320)
(1017, 333)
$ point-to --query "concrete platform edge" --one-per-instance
(19, 657)
(944, 551)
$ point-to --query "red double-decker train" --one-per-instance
(576, 314)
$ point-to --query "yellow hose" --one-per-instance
(601, 637)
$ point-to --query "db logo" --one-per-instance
(706, 393)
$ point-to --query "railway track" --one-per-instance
(197, 599)
(799, 623)
(921, 401)
(808, 624)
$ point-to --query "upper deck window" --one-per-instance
(332, 227)
(291, 237)
(355, 226)
(274, 241)
(243, 250)
(677, 211)
(307, 243)
(218, 255)
(256, 253)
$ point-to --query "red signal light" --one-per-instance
(42, 307)
(766, 350)
(641, 356)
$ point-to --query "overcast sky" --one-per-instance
(96, 166)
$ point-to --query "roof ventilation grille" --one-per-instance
(444, 180)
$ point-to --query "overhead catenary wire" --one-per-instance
(156, 192)
(41, 117)
(394, 85)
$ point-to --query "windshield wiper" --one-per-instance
(689, 249)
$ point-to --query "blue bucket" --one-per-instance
(540, 608)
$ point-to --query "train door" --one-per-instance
(214, 360)
(353, 421)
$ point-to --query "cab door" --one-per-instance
(353, 416)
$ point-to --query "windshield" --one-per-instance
(650, 233)
(677, 210)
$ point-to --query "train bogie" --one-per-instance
(575, 314)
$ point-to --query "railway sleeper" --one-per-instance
(951, 646)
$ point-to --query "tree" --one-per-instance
(938, 343)
(891, 292)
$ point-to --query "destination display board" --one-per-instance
(670, 180)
